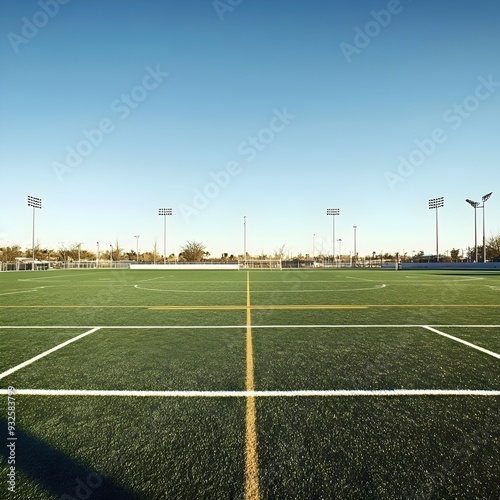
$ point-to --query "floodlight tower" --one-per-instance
(485, 198)
(435, 203)
(354, 253)
(245, 240)
(333, 212)
(35, 203)
(474, 205)
(136, 236)
(164, 212)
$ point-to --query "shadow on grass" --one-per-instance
(57, 473)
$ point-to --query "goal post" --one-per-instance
(269, 264)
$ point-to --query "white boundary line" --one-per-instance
(327, 290)
(456, 339)
(43, 354)
(29, 290)
(246, 394)
(195, 327)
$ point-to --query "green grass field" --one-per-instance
(261, 384)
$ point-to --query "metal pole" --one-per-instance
(354, 255)
(164, 212)
(97, 257)
(485, 198)
(437, 236)
(33, 242)
(245, 240)
(475, 233)
(484, 237)
(333, 237)
(333, 212)
(35, 203)
(137, 248)
(164, 238)
(436, 203)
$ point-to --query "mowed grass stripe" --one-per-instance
(251, 457)
(46, 353)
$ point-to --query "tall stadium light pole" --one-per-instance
(164, 212)
(485, 198)
(314, 244)
(355, 253)
(64, 253)
(333, 212)
(434, 204)
(35, 203)
(245, 240)
(136, 236)
(474, 205)
(97, 257)
(79, 251)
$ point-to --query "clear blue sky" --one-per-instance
(308, 106)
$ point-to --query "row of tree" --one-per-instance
(191, 251)
(194, 251)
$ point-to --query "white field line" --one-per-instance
(187, 291)
(152, 279)
(11, 292)
(209, 327)
(456, 339)
(20, 291)
(331, 290)
(43, 354)
(354, 278)
(327, 290)
(184, 282)
(246, 394)
(45, 278)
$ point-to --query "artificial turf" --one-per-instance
(308, 447)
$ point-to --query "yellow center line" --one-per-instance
(251, 457)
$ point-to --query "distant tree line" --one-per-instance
(194, 251)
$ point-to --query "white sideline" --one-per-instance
(246, 394)
(43, 354)
(456, 339)
(194, 327)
